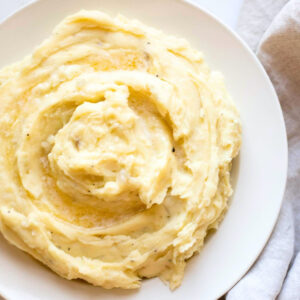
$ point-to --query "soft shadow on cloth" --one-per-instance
(272, 29)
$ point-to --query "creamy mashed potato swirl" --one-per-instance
(116, 144)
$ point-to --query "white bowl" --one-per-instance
(259, 173)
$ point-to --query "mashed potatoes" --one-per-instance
(116, 145)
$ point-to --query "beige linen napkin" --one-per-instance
(276, 274)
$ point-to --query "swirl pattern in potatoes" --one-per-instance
(116, 145)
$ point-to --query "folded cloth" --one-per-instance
(276, 273)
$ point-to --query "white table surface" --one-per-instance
(226, 10)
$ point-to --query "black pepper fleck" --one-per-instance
(173, 149)
(27, 134)
(156, 75)
(69, 249)
(77, 143)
